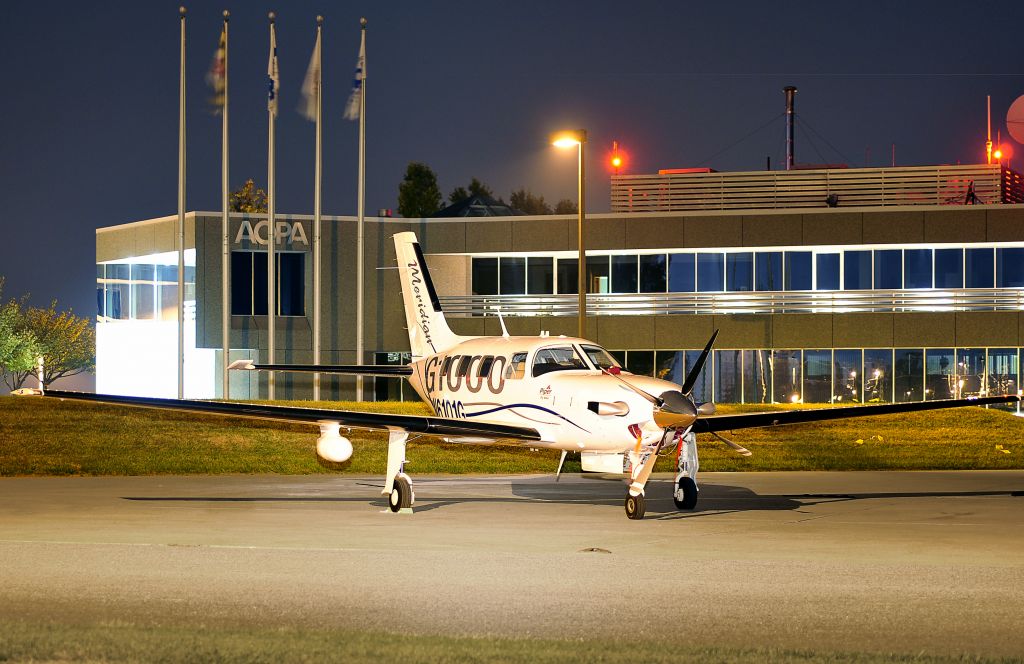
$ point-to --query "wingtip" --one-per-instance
(247, 365)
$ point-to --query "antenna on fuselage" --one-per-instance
(501, 319)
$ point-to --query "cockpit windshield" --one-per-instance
(601, 358)
(556, 358)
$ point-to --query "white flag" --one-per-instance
(352, 109)
(311, 84)
(273, 76)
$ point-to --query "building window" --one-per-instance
(1010, 267)
(540, 275)
(817, 376)
(857, 270)
(702, 388)
(979, 268)
(908, 375)
(512, 275)
(939, 375)
(624, 274)
(597, 274)
(949, 268)
(710, 272)
(798, 270)
(739, 271)
(669, 366)
(828, 272)
(757, 376)
(970, 369)
(640, 362)
(568, 279)
(768, 266)
(729, 376)
(653, 273)
(681, 273)
(888, 269)
(878, 374)
(249, 283)
(848, 377)
(485, 276)
(917, 268)
(1002, 371)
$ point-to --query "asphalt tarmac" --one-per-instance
(928, 562)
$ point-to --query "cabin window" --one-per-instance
(517, 367)
(485, 366)
(557, 358)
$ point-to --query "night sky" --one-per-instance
(89, 121)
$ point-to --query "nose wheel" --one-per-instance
(635, 506)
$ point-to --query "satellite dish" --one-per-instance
(1015, 119)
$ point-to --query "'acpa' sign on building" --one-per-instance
(286, 232)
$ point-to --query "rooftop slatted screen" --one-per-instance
(852, 187)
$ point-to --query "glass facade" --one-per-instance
(249, 283)
(143, 289)
(765, 271)
(840, 375)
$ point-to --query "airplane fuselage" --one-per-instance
(554, 384)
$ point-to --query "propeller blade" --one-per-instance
(561, 461)
(636, 389)
(691, 378)
(739, 448)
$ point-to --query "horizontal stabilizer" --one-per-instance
(390, 370)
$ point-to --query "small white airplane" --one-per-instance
(560, 393)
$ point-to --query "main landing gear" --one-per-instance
(398, 485)
(685, 490)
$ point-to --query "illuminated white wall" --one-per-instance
(139, 358)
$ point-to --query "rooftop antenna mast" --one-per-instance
(988, 141)
(790, 96)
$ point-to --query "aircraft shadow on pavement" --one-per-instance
(715, 499)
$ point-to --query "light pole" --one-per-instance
(578, 139)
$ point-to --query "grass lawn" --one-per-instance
(50, 437)
(22, 641)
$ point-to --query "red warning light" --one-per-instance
(616, 159)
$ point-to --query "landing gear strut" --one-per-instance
(685, 491)
(398, 485)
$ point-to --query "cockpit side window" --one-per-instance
(517, 367)
(601, 358)
(557, 358)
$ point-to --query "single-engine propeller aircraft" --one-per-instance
(558, 393)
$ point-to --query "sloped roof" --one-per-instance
(477, 205)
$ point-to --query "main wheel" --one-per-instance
(401, 494)
(635, 506)
(689, 489)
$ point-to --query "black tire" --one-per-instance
(635, 506)
(689, 488)
(401, 495)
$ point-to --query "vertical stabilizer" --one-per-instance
(428, 331)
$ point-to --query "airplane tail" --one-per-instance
(428, 331)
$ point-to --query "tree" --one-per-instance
(248, 198)
(527, 202)
(566, 206)
(458, 194)
(418, 194)
(478, 188)
(66, 342)
(18, 346)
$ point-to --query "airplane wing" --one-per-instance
(388, 370)
(431, 426)
(716, 423)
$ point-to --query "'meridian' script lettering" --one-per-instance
(421, 308)
(286, 232)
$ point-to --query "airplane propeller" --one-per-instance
(676, 409)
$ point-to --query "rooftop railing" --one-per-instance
(748, 302)
(843, 187)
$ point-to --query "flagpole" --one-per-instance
(271, 235)
(181, 214)
(225, 251)
(318, 177)
(360, 207)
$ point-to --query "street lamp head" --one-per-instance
(569, 139)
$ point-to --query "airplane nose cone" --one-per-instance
(677, 410)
